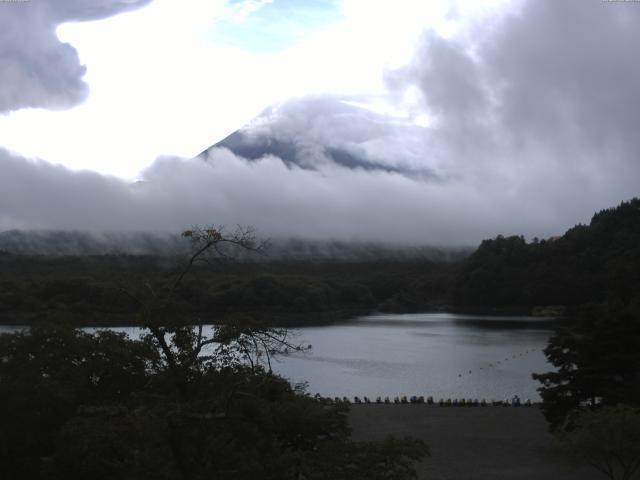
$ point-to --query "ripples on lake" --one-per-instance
(443, 355)
(438, 354)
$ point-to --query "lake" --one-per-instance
(439, 354)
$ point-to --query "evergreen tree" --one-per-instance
(598, 363)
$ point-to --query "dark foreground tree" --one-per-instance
(598, 364)
(182, 402)
(608, 440)
(47, 374)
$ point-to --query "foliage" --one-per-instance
(182, 402)
(597, 360)
(83, 289)
(47, 373)
(596, 270)
(608, 440)
(587, 264)
(79, 405)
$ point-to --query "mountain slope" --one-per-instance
(312, 132)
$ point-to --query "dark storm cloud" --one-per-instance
(36, 68)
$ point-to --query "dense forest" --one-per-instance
(92, 289)
(589, 263)
(85, 277)
(591, 398)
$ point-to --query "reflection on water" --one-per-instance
(443, 355)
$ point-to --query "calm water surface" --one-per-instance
(439, 354)
(443, 355)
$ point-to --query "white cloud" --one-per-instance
(159, 86)
(332, 203)
(523, 118)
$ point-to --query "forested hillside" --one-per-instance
(93, 290)
(587, 264)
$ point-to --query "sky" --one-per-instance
(458, 120)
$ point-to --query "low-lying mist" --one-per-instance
(279, 201)
(72, 243)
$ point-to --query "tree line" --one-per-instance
(181, 402)
(88, 290)
(588, 264)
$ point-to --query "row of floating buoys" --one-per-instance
(514, 402)
(484, 403)
(496, 363)
(387, 400)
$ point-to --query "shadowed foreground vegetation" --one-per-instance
(177, 403)
(102, 406)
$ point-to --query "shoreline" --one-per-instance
(285, 319)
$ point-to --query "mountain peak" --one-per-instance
(313, 132)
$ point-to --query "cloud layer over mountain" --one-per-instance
(332, 203)
(533, 126)
(335, 202)
(317, 131)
